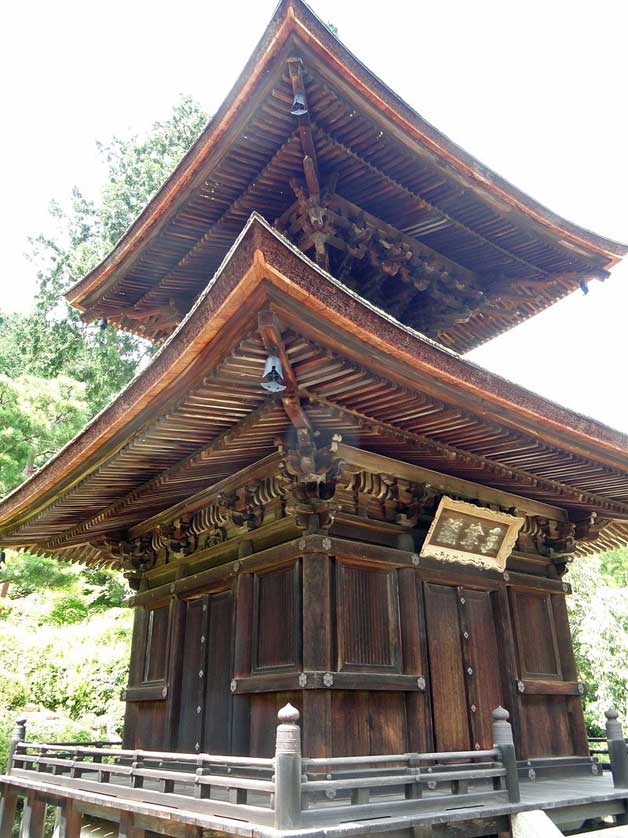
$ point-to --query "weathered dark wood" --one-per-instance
(128, 826)
(33, 817)
(69, 820)
(8, 807)
(368, 618)
(577, 725)
(317, 612)
(412, 651)
(175, 670)
(276, 619)
(242, 657)
(217, 724)
(447, 678)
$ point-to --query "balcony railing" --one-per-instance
(286, 792)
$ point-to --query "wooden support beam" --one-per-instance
(270, 331)
(295, 70)
(69, 820)
(33, 817)
(128, 826)
(8, 808)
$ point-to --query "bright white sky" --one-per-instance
(535, 89)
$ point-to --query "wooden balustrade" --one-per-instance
(286, 792)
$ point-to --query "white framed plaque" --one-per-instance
(469, 534)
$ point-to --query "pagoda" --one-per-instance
(318, 501)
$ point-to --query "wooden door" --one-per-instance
(464, 663)
(205, 702)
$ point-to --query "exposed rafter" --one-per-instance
(203, 453)
(452, 454)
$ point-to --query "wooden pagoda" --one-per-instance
(316, 499)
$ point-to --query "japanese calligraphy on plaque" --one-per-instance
(463, 532)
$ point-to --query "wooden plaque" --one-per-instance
(463, 532)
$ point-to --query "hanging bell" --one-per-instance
(298, 105)
(272, 379)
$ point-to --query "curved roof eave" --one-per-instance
(294, 16)
(240, 274)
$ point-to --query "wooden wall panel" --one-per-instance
(387, 723)
(138, 647)
(577, 724)
(264, 709)
(149, 725)
(484, 685)
(156, 656)
(276, 611)
(366, 723)
(545, 724)
(449, 700)
(218, 701)
(189, 733)
(368, 618)
(536, 635)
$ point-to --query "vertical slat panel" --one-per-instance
(449, 706)
(217, 725)
(241, 724)
(486, 661)
(193, 652)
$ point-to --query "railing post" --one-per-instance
(288, 769)
(504, 742)
(18, 735)
(616, 749)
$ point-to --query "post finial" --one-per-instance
(288, 714)
(614, 729)
(502, 729)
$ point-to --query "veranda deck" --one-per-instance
(473, 792)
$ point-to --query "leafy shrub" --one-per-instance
(71, 608)
(106, 588)
(27, 574)
(598, 614)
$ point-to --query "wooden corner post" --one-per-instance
(617, 749)
(288, 770)
(504, 742)
(8, 799)
(18, 735)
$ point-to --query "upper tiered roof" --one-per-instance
(314, 142)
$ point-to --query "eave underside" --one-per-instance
(220, 421)
(522, 265)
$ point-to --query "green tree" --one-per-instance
(598, 614)
(53, 340)
(27, 574)
(37, 416)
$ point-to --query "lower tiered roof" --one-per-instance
(197, 414)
